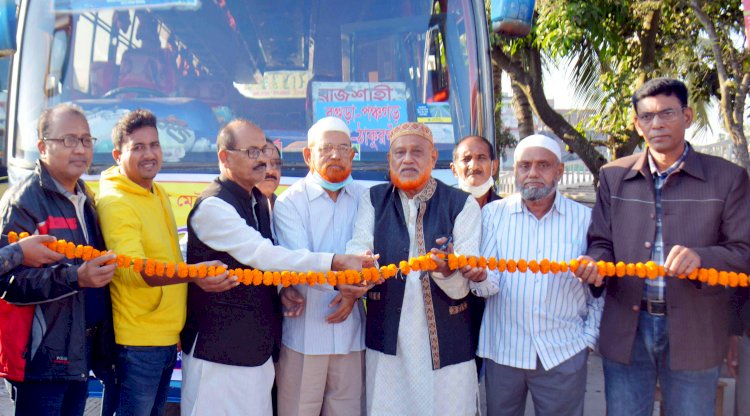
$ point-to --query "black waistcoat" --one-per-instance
(241, 326)
(448, 320)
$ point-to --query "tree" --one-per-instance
(723, 28)
(614, 47)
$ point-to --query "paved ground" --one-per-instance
(594, 405)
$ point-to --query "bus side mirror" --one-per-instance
(8, 25)
(512, 17)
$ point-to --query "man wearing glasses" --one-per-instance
(323, 331)
(230, 337)
(683, 210)
(56, 319)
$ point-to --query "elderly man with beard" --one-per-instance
(537, 328)
(420, 354)
(321, 363)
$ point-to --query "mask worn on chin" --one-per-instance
(330, 186)
(476, 191)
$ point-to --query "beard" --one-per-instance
(410, 184)
(335, 172)
(533, 193)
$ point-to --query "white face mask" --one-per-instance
(476, 191)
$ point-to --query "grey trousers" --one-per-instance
(558, 391)
(742, 383)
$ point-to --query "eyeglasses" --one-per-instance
(670, 114)
(343, 149)
(254, 152)
(71, 141)
(276, 163)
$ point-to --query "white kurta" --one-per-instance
(406, 384)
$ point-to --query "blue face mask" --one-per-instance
(330, 186)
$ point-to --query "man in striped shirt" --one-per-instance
(537, 328)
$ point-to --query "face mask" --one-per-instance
(330, 186)
(476, 191)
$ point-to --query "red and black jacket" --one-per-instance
(43, 311)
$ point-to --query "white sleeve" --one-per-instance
(467, 234)
(362, 236)
(218, 225)
(490, 285)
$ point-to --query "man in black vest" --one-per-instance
(418, 334)
(229, 337)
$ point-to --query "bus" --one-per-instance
(283, 64)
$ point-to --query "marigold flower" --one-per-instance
(630, 269)
(340, 277)
(182, 270)
(472, 261)
(276, 278)
(159, 269)
(511, 266)
(70, 250)
(462, 261)
(501, 265)
(544, 266)
(574, 265)
(294, 278)
(286, 278)
(257, 277)
(554, 267)
(533, 266)
(95, 253)
(452, 261)
(742, 280)
(331, 277)
(12, 237)
(492, 263)
(482, 262)
(611, 269)
(150, 266)
(694, 274)
(170, 269)
(79, 252)
(733, 279)
(601, 267)
(713, 276)
(404, 266)
(245, 276)
(210, 272)
(414, 264)
(312, 280)
(640, 270)
(137, 265)
(321, 277)
(723, 278)
(23, 235)
(522, 265)
(202, 271)
(620, 269)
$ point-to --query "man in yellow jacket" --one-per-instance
(148, 311)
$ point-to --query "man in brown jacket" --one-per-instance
(684, 210)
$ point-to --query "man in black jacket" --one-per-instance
(55, 320)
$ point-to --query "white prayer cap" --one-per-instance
(326, 124)
(537, 140)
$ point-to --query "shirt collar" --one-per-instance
(67, 193)
(655, 170)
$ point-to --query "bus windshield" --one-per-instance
(282, 64)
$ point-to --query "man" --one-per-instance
(148, 311)
(475, 166)
(420, 355)
(270, 183)
(229, 337)
(55, 320)
(321, 363)
(683, 210)
(537, 328)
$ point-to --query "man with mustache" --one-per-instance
(537, 328)
(420, 354)
(230, 337)
(148, 311)
(56, 319)
(270, 183)
(684, 210)
(323, 335)
(475, 166)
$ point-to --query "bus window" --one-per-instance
(281, 64)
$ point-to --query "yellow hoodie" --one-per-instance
(139, 223)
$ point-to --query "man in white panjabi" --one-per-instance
(420, 353)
